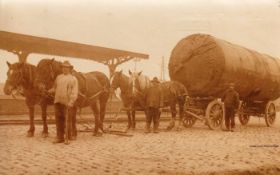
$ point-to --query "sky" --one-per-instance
(152, 27)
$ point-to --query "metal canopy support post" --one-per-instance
(114, 62)
(22, 55)
(112, 69)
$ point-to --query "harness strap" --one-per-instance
(30, 75)
(85, 94)
(52, 72)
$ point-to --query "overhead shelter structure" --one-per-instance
(23, 45)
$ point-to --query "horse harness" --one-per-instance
(84, 92)
(23, 80)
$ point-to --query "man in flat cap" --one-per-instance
(152, 101)
(231, 103)
(66, 93)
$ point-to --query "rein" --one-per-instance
(125, 86)
(51, 71)
(93, 96)
(84, 96)
(23, 80)
(48, 80)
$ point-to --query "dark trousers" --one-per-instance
(229, 117)
(152, 114)
(60, 111)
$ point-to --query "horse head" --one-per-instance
(139, 82)
(46, 73)
(121, 81)
(15, 78)
(115, 81)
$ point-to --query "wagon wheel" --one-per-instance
(214, 114)
(188, 120)
(243, 118)
(270, 114)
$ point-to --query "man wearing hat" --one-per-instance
(231, 103)
(66, 93)
(152, 101)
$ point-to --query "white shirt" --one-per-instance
(66, 89)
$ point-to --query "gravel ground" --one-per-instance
(254, 149)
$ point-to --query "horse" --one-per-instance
(94, 88)
(20, 78)
(122, 81)
(172, 93)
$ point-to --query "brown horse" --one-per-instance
(21, 76)
(172, 93)
(94, 88)
(122, 81)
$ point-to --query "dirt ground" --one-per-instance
(253, 149)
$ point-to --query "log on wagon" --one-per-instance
(206, 65)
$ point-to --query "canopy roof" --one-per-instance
(19, 43)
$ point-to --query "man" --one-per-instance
(66, 93)
(231, 103)
(152, 101)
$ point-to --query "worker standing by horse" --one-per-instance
(153, 100)
(66, 93)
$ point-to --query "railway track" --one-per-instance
(79, 121)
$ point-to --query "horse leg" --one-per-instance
(30, 132)
(181, 100)
(173, 113)
(72, 121)
(103, 105)
(181, 110)
(133, 122)
(44, 118)
(96, 113)
(128, 119)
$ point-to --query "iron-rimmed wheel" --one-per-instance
(188, 120)
(214, 114)
(243, 117)
(270, 114)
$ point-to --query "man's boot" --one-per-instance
(148, 127)
(179, 126)
(60, 133)
(155, 129)
(171, 124)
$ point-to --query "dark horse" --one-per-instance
(21, 76)
(122, 81)
(94, 88)
(172, 93)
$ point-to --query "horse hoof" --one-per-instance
(30, 134)
(168, 128)
(179, 128)
(97, 134)
(133, 126)
(102, 130)
(73, 138)
(45, 134)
